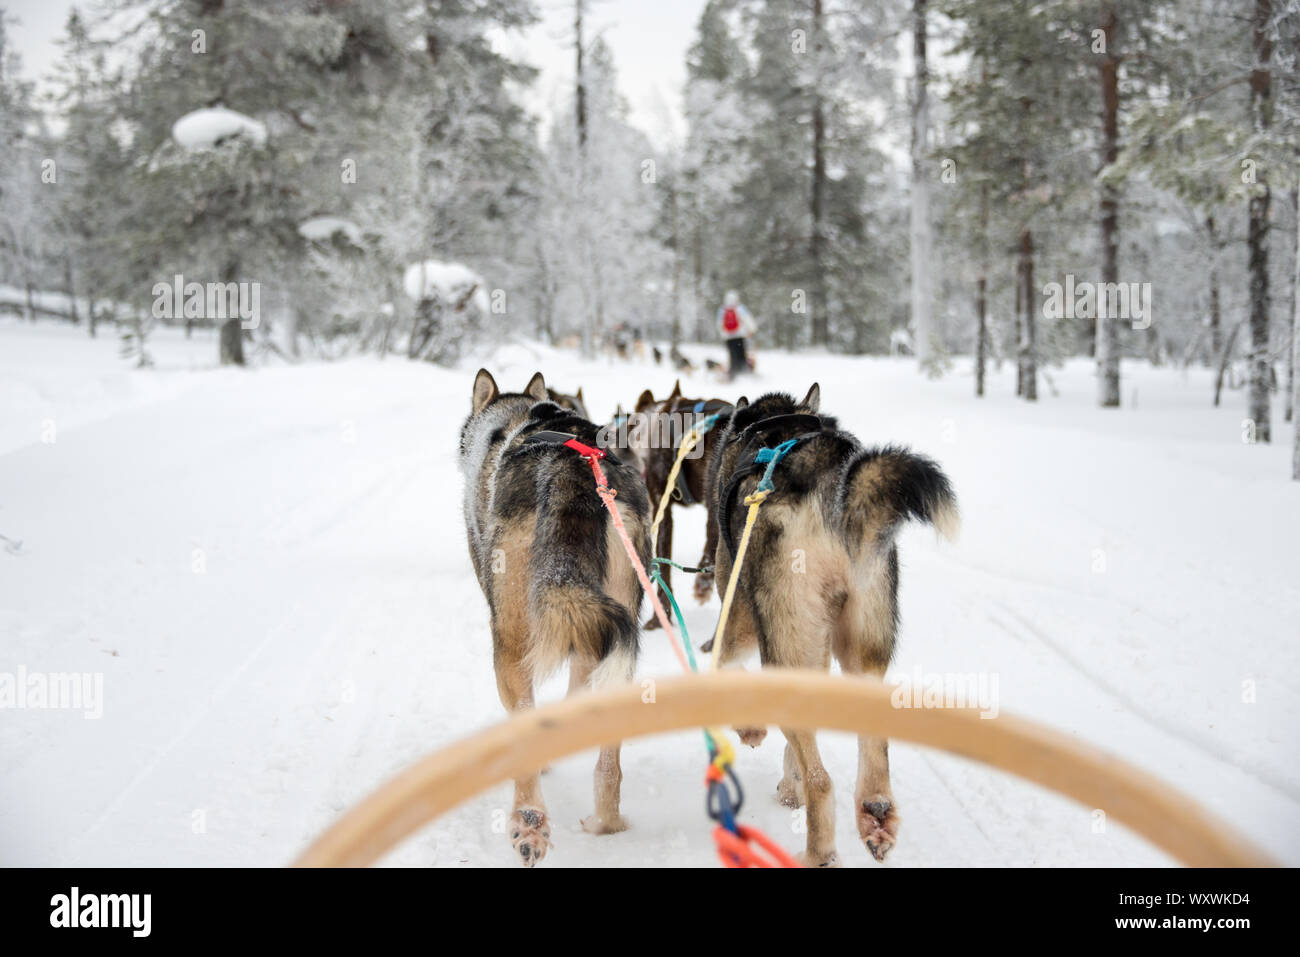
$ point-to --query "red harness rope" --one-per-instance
(593, 457)
(733, 845)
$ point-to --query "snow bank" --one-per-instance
(449, 282)
(322, 229)
(210, 127)
(14, 299)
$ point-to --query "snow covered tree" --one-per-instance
(606, 263)
(24, 200)
(790, 181)
(921, 234)
(1017, 119)
(92, 167)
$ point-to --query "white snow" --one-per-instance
(206, 128)
(14, 300)
(268, 568)
(323, 228)
(447, 281)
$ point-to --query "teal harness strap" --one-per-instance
(772, 457)
(658, 579)
(708, 423)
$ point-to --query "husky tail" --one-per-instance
(572, 608)
(885, 487)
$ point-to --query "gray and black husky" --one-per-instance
(820, 578)
(558, 582)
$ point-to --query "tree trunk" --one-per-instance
(68, 281)
(1261, 106)
(677, 270)
(580, 93)
(1295, 295)
(1224, 358)
(922, 306)
(1106, 329)
(232, 343)
(817, 250)
(697, 279)
(1216, 305)
(1295, 355)
(231, 340)
(1028, 359)
(981, 292)
(1020, 328)
(291, 332)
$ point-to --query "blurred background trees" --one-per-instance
(1148, 142)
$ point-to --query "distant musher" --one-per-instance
(736, 325)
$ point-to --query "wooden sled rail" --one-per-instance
(798, 699)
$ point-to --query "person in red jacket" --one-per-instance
(736, 325)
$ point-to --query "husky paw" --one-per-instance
(595, 824)
(790, 792)
(530, 834)
(704, 587)
(652, 624)
(752, 736)
(826, 859)
(878, 825)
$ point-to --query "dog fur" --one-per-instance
(558, 583)
(820, 579)
(657, 462)
(574, 403)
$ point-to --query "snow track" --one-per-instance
(269, 569)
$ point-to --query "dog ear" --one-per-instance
(536, 388)
(742, 403)
(677, 391)
(579, 396)
(646, 400)
(485, 390)
(813, 400)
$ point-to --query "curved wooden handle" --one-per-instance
(798, 699)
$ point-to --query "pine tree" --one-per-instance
(790, 184)
(24, 198)
(1017, 119)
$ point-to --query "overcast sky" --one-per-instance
(649, 39)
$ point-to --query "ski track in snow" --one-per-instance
(337, 633)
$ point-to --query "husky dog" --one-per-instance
(574, 403)
(557, 580)
(657, 461)
(680, 362)
(820, 578)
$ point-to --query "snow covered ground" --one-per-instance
(268, 568)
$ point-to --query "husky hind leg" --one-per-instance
(790, 639)
(529, 827)
(864, 644)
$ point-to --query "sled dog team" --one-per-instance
(560, 588)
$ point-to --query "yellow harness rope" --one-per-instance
(754, 501)
(689, 441)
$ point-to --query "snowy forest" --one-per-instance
(875, 176)
(260, 259)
